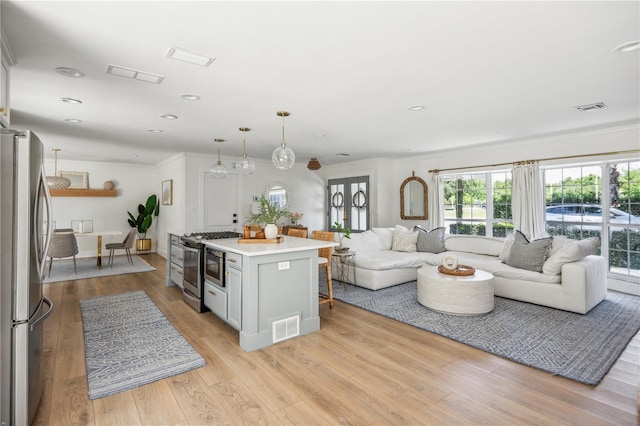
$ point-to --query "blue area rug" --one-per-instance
(579, 347)
(62, 269)
(129, 343)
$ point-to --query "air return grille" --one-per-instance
(591, 107)
(286, 328)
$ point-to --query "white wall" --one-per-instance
(172, 217)
(134, 185)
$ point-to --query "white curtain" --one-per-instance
(527, 200)
(436, 200)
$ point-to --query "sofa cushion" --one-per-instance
(474, 244)
(387, 259)
(404, 239)
(572, 252)
(385, 235)
(430, 241)
(528, 255)
(364, 241)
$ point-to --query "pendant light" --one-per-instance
(283, 158)
(245, 165)
(55, 181)
(219, 170)
(313, 164)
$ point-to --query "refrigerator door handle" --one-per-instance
(42, 261)
(44, 316)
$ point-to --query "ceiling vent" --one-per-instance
(134, 74)
(190, 57)
(590, 107)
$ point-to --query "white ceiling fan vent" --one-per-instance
(134, 74)
(285, 328)
(591, 107)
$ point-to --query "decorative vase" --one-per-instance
(271, 231)
(109, 185)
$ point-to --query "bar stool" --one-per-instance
(324, 261)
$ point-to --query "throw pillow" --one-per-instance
(528, 255)
(572, 252)
(430, 241)
(404, 240)
(506, 248)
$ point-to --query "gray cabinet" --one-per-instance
(215, 298)
(234, 290)
(175, 261)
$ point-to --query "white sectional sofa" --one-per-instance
(571, 279)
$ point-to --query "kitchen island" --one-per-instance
(271, 290)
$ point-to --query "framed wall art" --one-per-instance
(79, 180)
(167, 192)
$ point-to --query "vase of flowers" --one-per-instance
(342, 234)
(268, 215)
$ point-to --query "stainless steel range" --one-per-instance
(200, 262)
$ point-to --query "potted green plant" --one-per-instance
(143, 221)
(342, 234)
(268, 215)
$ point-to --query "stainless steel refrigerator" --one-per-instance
(25, 232)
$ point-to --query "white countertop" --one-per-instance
(289, 245)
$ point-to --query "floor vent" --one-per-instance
(286, 328)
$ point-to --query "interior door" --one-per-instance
(220, 201)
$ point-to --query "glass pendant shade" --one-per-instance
(283, 157)
(245, 165)
(219, 170)
(55, 181)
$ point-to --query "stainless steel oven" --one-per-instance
(214, 266)
(192, 283)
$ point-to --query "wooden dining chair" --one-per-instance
(300, 233)
(324, 261)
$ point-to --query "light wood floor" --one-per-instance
(360, 368)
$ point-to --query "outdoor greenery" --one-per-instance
(465, 199)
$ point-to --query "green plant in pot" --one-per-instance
(268, 215)
(143, 221)
(342, 234)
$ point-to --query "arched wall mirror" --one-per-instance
(413, 198)
(276, 192)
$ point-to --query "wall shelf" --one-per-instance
(83, 192)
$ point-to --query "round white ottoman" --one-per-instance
(452, 294)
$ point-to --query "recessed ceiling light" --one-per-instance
(70, 72)
(190, 57)
(319, 135)
(71, 100)
(190, 97)
(155, 130)
(342, 154)
(627, 47)
(416, 107)
(134, 74)
(169, 116)
(72, 120)
(133, 156)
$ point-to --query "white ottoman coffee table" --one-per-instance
(453, 294)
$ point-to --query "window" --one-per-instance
(478, 203)
(603, 201)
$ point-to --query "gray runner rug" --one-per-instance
(129, 343)
(579, 347)
(62, 269)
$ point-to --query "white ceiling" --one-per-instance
(485, 72)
